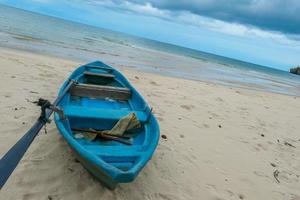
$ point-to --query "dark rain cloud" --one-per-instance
(274, 15)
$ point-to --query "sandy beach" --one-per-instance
(222, 143)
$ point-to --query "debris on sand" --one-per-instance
(275, 174)
(33, 92)
(289, 144)
(241, 196)
(273, 165)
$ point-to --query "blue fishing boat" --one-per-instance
(99, 99)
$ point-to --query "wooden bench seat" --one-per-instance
(99, 67)
(101, 75)
(100, 91)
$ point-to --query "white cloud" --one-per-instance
(234, 29)
(147, 8)
(191, 19)
(188, 18)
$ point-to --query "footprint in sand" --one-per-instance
(213, 114)
(47, 75)
(261, 174)
(45, 66)
(260, 147)
(243, 108)
(206, 125)
(187, 107)
(241, 196)
(159, 196)
(219, 99)
(220, 194)
(28, 196)
(154, 83)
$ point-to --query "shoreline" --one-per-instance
(233, 84)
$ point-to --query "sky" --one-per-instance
(265, 32)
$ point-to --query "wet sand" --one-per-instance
(221, 142)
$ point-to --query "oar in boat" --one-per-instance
(11, 159)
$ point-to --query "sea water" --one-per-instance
(38, 33)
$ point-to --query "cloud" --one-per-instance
(234, 16)
(144, 9)
(184, 12)
(274, 15)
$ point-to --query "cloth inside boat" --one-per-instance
(126, 123)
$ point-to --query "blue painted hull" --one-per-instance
(109, 161)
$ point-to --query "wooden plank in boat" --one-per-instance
(102, 75)
(100, 91)
(99, 67)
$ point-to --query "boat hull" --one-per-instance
(108, 161)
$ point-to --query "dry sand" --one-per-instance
(222, 143)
